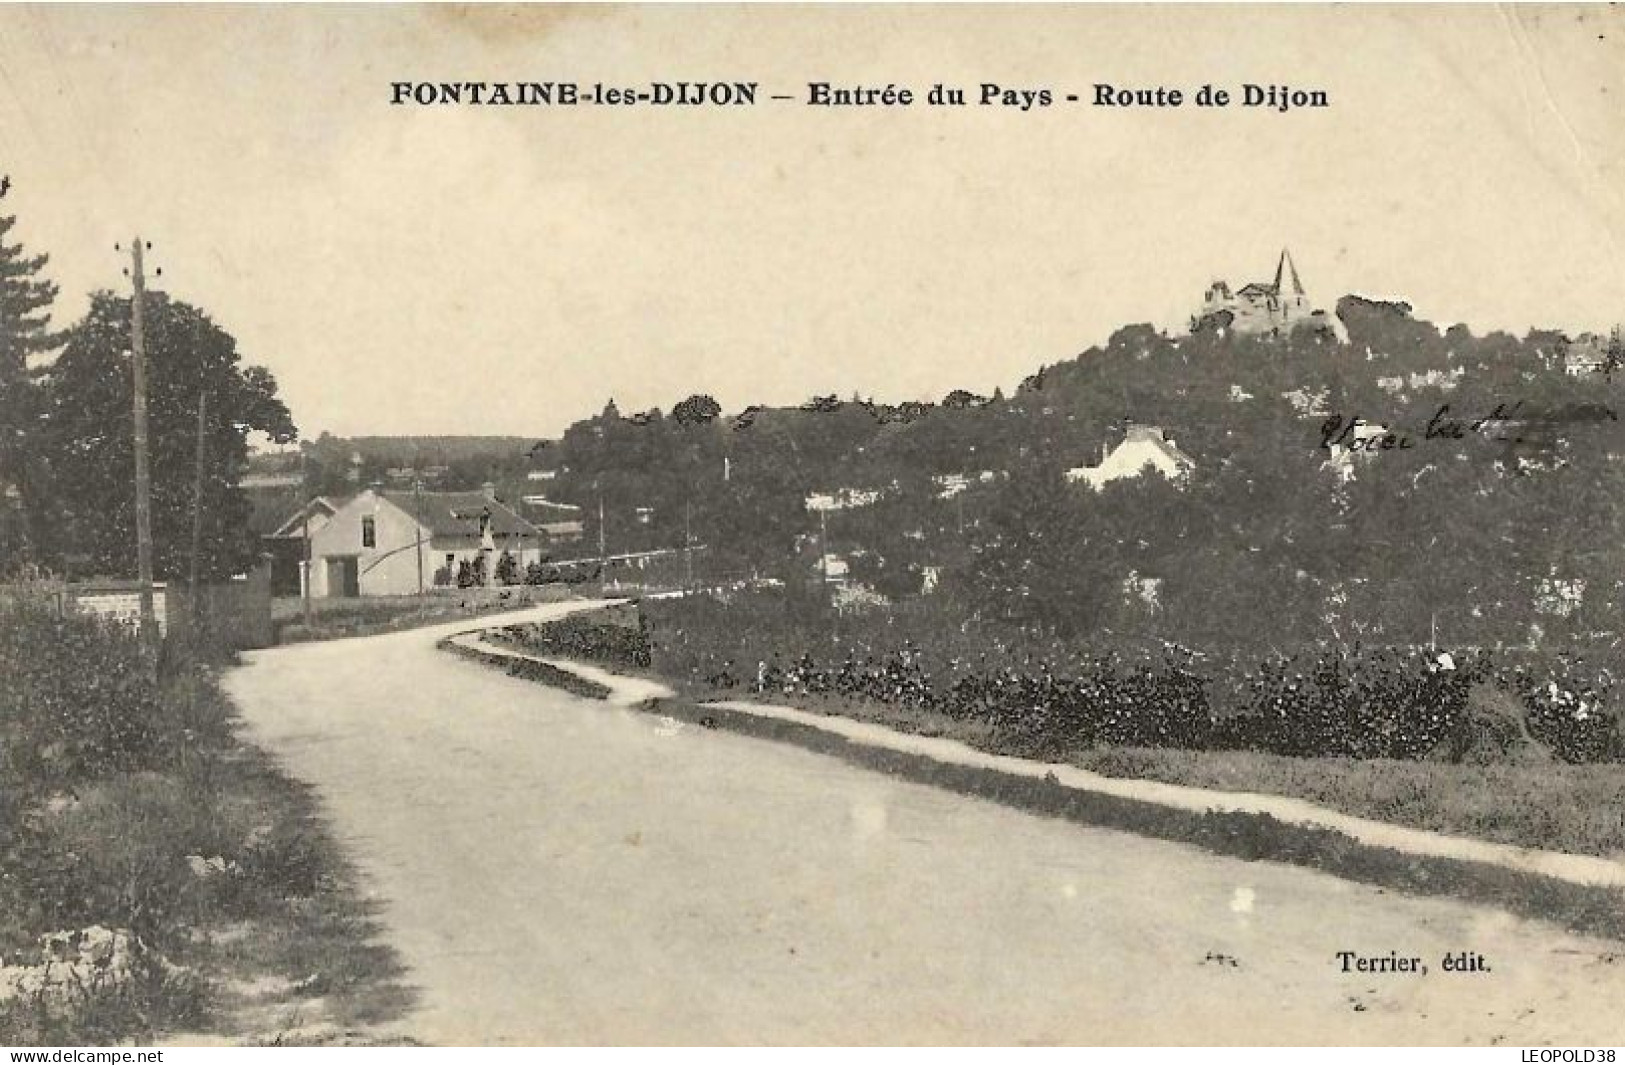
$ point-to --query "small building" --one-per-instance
(1260, 306)
(842, 499)
(1144, 447)
(1588, 354)
(949, 485)
(382, 542)
(833, 568)
(284, 540)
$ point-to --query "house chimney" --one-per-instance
(490, 490)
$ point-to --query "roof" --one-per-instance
(457, 514)
(291, 525)
(1143, 446)
(1284, 268)
(1158, 440)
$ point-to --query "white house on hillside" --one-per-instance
(842, 499)
(1145, 447)
(1585, 355)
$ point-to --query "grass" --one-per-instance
(1548, 806)
(1555, 806)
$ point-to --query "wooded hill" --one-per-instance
(1466, 528)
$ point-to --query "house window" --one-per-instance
(369, 532)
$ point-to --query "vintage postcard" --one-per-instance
(812, 525)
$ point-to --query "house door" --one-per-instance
(343, 577)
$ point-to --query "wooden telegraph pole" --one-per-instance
(143, 472)
(688, 546)
(603, 554)
(417, 518)
(304, 533)
(197, 506)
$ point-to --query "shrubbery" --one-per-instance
(77, 702)
(122, 821)
(1354, 702)
(615, 637)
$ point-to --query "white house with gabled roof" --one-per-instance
(394, 543)
(1144, 447)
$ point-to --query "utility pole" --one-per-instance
(194, 607)
(417, 517)
(823, 548)
(143, 473)
(824, 596)
(603, 554)
(304, 525)
(688, 546)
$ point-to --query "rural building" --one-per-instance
(1588, 354)
(842, 499)
(283, 537)
(1144, 447)
(375, 542)
(949, 485)
(1261, 306)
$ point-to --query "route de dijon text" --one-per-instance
(733, 94)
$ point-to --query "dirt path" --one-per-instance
(558, 870)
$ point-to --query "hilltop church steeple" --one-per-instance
(1261, 307)
(1295, 302)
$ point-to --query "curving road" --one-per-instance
(560, 871)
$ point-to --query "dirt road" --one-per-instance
(559, 871)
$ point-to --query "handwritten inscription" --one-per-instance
(1509, 423)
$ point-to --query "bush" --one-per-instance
(78, 701)
(1569, 705)
(616, 637)
(1039, 695)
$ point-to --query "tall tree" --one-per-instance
(697, 409)
(25, 337)
(188, 355)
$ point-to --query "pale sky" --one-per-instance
(505, 270)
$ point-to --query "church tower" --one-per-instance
(1290, 300)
